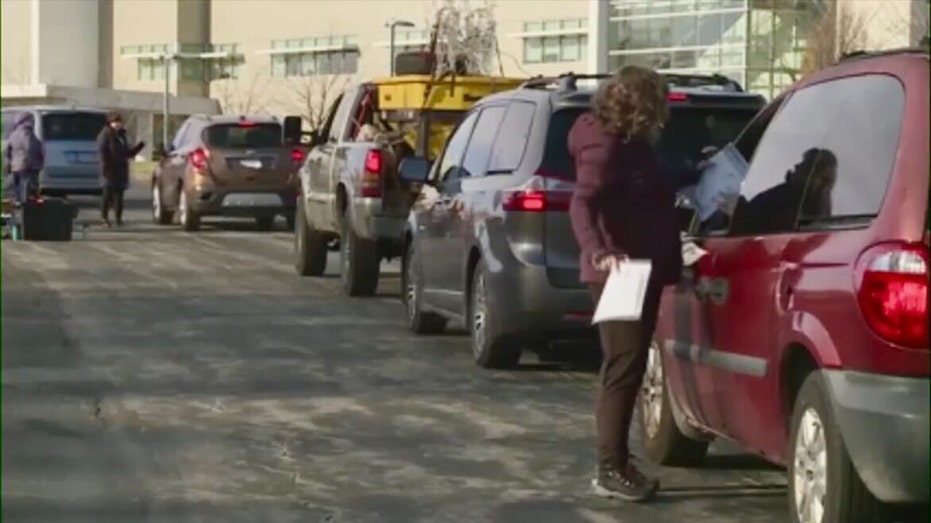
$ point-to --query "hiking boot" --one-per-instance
(626, 483)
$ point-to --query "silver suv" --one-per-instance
(489, 243)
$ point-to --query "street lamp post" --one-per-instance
(392, 24)
(167, 59)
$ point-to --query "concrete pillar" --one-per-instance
(599, 11)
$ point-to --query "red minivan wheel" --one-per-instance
(663, 442)
(823, 484)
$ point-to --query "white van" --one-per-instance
(69, 135)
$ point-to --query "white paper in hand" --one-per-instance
(720, 182)
(624, 292)
(691, 253)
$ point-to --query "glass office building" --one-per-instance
(759, 43)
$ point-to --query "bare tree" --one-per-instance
(837, 31)
(313, 95)
(242, 98)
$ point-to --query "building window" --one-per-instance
(553, 41)
(314, 56)
(193, 61)
(228, 67)
(149, 67)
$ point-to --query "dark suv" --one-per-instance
(228, 166)
(489, 243)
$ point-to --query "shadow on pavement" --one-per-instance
(737, 462)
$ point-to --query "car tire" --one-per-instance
(663, 442)
(160, 215)
(817, 454)
(290, 222)
(264, 223)
(310, 248)
(490, 348)
(418, 321)
(190, 220)
(360, 264)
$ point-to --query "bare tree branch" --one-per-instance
(313, 95)
(236, 98)
(837, 31)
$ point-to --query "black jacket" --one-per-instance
(114, 152)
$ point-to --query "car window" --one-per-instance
(72, 126)
(243, 135)
(455, 147)
(827, 154)
(787, 154)
(480, 145)
(864, 139)
(331, 114)
(556, 158)
(691, 128)
(511, 140)
(8, 118)
(178, 140)
(749, 139)
(346, 106)
(193, 136)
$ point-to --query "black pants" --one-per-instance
(112, 197)
(625, 346)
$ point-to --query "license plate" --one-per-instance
(76, 157)
(252, 200)
(251, 164)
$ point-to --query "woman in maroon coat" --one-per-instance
(624, 206)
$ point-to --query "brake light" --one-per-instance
(677, 97)
(199, 159)
(539, 200)
(246, 124)
(893, 293)
(297, 157)
(371, 174)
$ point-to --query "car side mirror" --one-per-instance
(414, 169)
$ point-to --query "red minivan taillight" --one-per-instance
(538, 200)
(199, 159)
(370, 185)
(893, 292)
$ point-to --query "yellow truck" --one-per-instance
(351, 197)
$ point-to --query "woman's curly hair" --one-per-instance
(632, 103)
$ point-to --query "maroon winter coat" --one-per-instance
(624, 203)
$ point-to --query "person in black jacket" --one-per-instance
(115, 153)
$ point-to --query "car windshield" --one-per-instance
(688, 130)
(244, 136)
(72, 126)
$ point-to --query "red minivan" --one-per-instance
(802, 334)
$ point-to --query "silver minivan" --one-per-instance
(69, 135)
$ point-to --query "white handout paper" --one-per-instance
(624, 292)
(720, 182)
(691, 253)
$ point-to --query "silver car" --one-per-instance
(69, 136)
(489, 244)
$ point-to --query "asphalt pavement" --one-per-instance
(152, 375)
